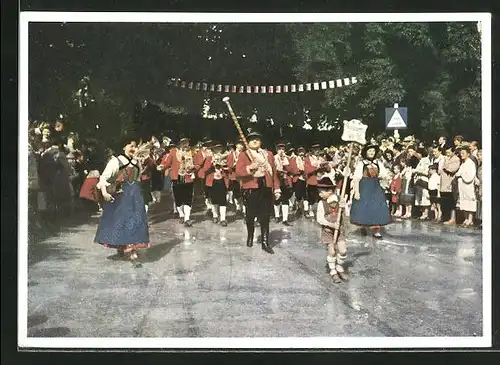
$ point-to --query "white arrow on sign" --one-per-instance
(396, 121)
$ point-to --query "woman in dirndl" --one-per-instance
(369, 208)
(123, 225)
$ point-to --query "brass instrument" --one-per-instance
(219, 160)
(186, 162)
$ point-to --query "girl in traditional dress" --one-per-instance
(369, 208)
(466, 190)
(123, 224)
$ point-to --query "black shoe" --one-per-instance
(277, 219)
(265, 240)
(208, 213)
(285, 223)
(188, 223)
(239, 214)
(250, 233)
(215, 220)
(223, 223)
(181, 220)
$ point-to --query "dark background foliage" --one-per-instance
(431, 68)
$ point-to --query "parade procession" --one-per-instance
(282, 204)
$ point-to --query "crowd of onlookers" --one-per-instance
(439, 181)
(57, 166)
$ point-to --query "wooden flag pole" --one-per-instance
(238, 127)
(342, 192)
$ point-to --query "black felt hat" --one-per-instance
(280, 145)
(253, 136)
(301, 149)
(326, 182)
(316, 146)
(207, 143)
(369, 146)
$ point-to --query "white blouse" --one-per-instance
(112, 169)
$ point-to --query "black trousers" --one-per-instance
(300, 190)
(183, 193)
(312, 194)
(218, 193)
(235, 188)
(286, 194)
(448, 203)
(258, 204)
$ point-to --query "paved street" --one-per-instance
(421, 280)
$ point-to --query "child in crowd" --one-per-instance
(327, 212)
(396, 187)
(434, 191)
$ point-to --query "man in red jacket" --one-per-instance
(297, 163)
(199, 161)
(235, 188)
(283, 168)
(312, 163)
(181, 161)
(216, 177)
(259, 179)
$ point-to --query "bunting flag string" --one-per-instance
(263, 89)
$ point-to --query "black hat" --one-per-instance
(291, 149)
(369, 146)
(301, 149)
(207, 142)
(184, 140)
(280, 145)
(254, 136)
(215, 144)
(239, 141)
(326, 182)
(316, 146)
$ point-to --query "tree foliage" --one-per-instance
(432, 68)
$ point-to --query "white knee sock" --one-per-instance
(244, 209)
(285, 212)
(181, 212)
(306, 206)
(215, 209)
(176, 208)
(187, 212)
(208, 204)
(147, 207)
(276, 211)
(238, 206)
(222, 212)
(230, 197)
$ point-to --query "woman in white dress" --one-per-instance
(465, 176)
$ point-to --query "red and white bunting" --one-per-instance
(263, 89)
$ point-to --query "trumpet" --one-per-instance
(219, 160)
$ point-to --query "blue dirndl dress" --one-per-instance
(124, 223)
(371, 209)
